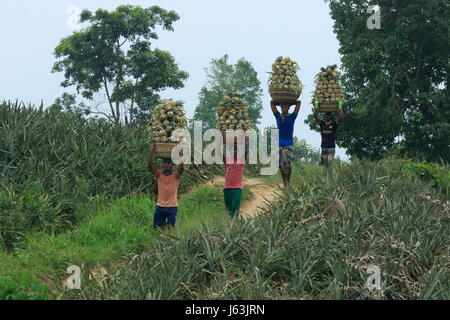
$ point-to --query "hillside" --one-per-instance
(293, 251)
(70, 198)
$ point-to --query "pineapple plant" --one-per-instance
(167, 117)
(328, 86)
(284, 78)
(232, 113)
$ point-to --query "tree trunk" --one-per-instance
(109, 100)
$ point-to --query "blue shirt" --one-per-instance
(286, 129)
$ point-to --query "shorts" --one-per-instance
(328, 153)
(165, 217)
(286, 156)
(232, 201)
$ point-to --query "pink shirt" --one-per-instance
(233, 175)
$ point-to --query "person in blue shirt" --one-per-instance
(285, 125)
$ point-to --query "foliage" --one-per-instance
(112, 231)
(439, 176)
(295, 252)
(52, 162)
(30, 210)
(396, 78)
(303, 152)
(68, 103)
(114, 54)
(22, 290)
(223, 77)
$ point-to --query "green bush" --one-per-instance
(439, 176)
(32, 210)
(22, 290)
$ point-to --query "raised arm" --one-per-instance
(273, 105)
(150, 165)
(180, 170)
(315, 115)
(298, 104)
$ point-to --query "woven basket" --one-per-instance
(164, 150)
(328, 107)
(283, 95)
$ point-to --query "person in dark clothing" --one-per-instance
(328, 130)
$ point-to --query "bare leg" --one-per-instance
(286, 177)
(283, 175)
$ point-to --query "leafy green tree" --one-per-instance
(396, 78)
(113, 54)
(68, 103)
(224, 77)
(304, 152)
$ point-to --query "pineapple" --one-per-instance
(166, 118)
(233, 113)
(284, 75)
(328, 87)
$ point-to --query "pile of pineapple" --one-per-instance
(167, 117)
(284, 75)
(328, 85)
(233, 114)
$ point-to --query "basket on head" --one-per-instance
(328, 107)
(284, 95)
(164, 150)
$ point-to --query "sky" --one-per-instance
(257, 30)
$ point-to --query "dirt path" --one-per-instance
(263, 194)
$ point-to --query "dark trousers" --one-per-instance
(165, 217)
(233, 201)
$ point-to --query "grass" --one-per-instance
(394, 221)
(108, 233)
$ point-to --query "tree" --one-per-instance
(224, 77)
(395, 78)
(68, 103)
(304, 152)
(114, 54)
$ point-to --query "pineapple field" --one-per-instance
(55, 163)
(296, 251)
(94, 204)
(396, 217)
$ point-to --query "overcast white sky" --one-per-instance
(258, 30)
